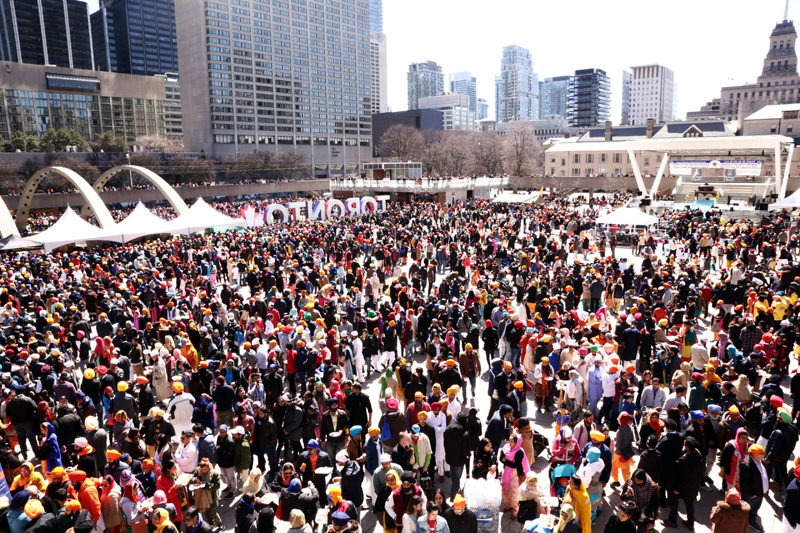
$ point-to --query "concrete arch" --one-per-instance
(164, 188)
(95, 203)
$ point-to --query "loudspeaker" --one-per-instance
(644, 202)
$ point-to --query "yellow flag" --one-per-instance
(541, 191)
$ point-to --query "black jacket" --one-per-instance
(465, 522)
(791, 504)
(671, 448)
(225, 451)
(781, 443)
(689, 471)
(457, 441)
(750, 479)
(21, 409)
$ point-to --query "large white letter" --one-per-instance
(296, 209)
(382, 200)
(269, 218)
(335, 203)
(368, 200)
(315, 210)
(353, 207)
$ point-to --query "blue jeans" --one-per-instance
(455, 476)
(25, 432)
(755, 504)
(516, 353)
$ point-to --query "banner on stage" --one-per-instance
(741, 167)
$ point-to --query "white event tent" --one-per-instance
(628, 216)
(71, 228)
(199, 217)
(139, 223)
(790, 202)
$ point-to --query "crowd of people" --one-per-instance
(314, 374)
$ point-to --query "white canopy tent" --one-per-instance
(508, 197)
(199, 217)
(628, 216)
(790, 202)
(71, 228)
(139, 223)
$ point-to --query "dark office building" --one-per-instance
(103, 40)
(588, 98)
(138, 36)
(46, 32)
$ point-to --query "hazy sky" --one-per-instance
(707, 43)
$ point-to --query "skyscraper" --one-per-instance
(104, 40)
(378, 72)
(589, 99)
(270, 84)
(519, 98)
(465, 83)
(141, 35)
(376, 16)
(424, 79)
(626, 97)
(483, 109)
(652, 94)
(46, 32)
(498, 88)
(553, 97)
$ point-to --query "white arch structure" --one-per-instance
(165, 188)
(95, 203)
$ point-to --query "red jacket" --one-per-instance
(162, 483)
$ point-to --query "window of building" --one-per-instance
(773, 128)
(576, 158)
(603, 158)
(223, 139)
(789, 128)
(590, 158)
(617, 158)
(576, 172)
(563, 161)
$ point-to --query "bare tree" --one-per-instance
(487, 153)
(86, 170)
(147, 160)
(11, 177)
(245, 166)
(457, 151)
(523, 150)
(184, 168)
(151, 143)
(290, 165)
(401, 143)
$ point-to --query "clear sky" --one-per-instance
(707, 43)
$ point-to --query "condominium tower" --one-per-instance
(424, 79)
(519, 95)
(652, 94)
